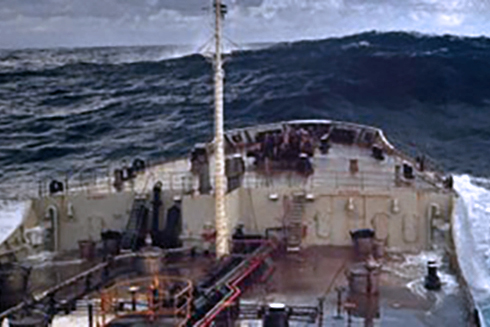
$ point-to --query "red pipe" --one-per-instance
(255, 262)
(230, 298)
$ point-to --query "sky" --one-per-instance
(76, 23)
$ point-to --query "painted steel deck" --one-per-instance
(302, 278)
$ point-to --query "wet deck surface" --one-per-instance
(301, 278)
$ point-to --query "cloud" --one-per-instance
(46, 23)
(299, 19)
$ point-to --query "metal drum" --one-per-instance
(366, 306)
(363, 241)
(87, 249)
(379, 249)
(363, 279)
(150, 261)
(14, 281)
(111, 246)
(111, 241)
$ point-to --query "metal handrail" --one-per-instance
(111, 297)
(184, 181)
(174, 181)
(332, 179)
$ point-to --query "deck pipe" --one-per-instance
(223, 284)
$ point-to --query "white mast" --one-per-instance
(222, 228)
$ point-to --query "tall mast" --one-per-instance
(222, 228)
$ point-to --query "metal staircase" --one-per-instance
(294, 222)
(137, 217)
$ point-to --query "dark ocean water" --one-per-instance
(68, 110)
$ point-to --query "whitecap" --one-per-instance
(11, 216)
(471, 227)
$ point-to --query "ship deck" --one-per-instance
(302, 278)
(330, 172)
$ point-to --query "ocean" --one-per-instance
(70, 112)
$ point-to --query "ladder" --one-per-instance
(136, 218)
(294, 223)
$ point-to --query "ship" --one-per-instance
(294, 222)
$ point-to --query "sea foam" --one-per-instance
(471, 228)
(11, 215)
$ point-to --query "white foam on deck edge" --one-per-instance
(11, 216)
(471, 233)
(413, 267)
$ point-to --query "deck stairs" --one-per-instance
(136, 218)
(294, 222)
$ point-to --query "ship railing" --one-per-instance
(334, 180)
(410, 153)
(152, 297)
(184, 182)
(98, 179)
(179, 181)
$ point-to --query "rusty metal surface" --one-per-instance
(300, 279)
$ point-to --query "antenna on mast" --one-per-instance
(222, 224)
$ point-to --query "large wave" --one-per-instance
(96, 106)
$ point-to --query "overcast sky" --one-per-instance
(52, 23)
